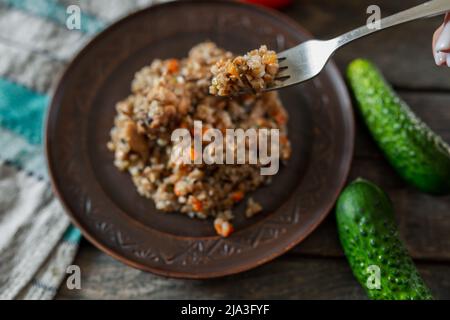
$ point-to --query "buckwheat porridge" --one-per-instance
(251, 72)
(172, 94)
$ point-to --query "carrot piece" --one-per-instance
(176, 191)
(197, 205)
(237, 196)
(223, 228)
(193, 155)
(280, 118)
(204, 130)
(232, 70)
(269, 58)
(184, 125)
(173, 66)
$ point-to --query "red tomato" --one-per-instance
(271, 3)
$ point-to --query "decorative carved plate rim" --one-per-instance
(185, 257)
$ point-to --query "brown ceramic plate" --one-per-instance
(103, 202)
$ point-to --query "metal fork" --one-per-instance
(305, 61)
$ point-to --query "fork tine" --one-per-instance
(283, 72)
(282, 78)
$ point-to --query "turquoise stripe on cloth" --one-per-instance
(56, 12)
(22, 110)
(72, 235)
(22, 154)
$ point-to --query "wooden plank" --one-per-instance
(432, 108)
(404, 52)
(284, 278)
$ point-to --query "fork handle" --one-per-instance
(425, 10)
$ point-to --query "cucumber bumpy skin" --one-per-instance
(420, 156)
(369, 237)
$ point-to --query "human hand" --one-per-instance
(441, 43)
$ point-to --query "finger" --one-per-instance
(440, 52)
(443, 37)
(436, 35)
(440, 58)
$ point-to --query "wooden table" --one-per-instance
(317, 269)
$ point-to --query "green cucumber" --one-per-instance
(369, 237)
(420, 156)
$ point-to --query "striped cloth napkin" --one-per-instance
(37, 242)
